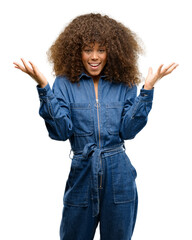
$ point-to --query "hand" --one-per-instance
(152, 78)
(32, 72)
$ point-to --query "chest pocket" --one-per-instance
(82, 118)
(113, 116)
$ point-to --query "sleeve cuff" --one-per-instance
(44, 92)
(146, 95)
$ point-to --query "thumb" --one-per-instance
(150, 71)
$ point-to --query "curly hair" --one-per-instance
(122, 45)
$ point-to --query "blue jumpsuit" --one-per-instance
(101, 183)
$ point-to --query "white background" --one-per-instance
(34, 168)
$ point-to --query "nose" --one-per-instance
(94, 55)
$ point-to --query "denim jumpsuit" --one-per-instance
(101, 183)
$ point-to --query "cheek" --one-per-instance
(105, 57)
(105, 60)
(85, 57)
(84, 60)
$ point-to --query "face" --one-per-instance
(94, 58)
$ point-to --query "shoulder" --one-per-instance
(130, 89)
(61, 81)
(61, 84)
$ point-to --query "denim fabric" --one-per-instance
(101, 184)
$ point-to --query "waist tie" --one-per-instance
(95, 170)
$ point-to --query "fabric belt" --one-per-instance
(95, 169)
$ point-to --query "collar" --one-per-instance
(87, 76)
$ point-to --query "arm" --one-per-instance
(54, 109)
(54, 104)
(136, 109)
(135, 113)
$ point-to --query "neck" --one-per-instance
(96, 78)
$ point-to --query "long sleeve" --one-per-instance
(135, 112)
(54, 109)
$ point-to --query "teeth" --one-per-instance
(94, 65)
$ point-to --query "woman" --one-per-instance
(94, 104)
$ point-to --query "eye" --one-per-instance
(87, 50)
(101, 50)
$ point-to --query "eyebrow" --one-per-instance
(88, 46)
(91, 45)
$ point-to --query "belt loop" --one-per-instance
(70, 154)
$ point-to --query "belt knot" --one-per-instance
(95, 168)
(88, 148)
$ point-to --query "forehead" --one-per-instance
(94, 44)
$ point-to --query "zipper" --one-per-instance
(97, 100)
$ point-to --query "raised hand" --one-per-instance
(32, 72)
(152, 78)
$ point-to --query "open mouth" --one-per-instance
(94, 65)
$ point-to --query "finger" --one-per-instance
(167, 68)
(159, 69)
(17, 65)
(171, 69)
(26, 66)
(34, 68)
